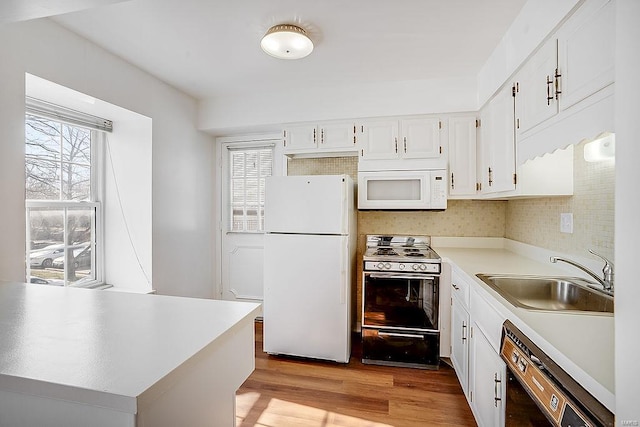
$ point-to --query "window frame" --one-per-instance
(95, 202)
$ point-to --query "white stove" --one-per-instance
(400, 302)
(401, 254)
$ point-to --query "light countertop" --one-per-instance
(582, 344)
(103, 348)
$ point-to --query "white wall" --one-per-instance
(127, 207)
(627, 233)
(182, 157)
(260, 111)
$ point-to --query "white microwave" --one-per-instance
(420, 189)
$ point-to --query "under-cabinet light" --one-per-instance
(603, 148)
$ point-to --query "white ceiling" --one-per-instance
(22, 10)
(210, 48)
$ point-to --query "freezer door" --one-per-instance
(308, 204)
(307, 296)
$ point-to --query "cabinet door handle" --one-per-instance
(405, 144)
(314, 136)
(464, 332)
(549, 96)
(452, 185)
(496, 389)
(557, 83)
(396, 145)
(455, 286)
(322, 136)
(490, 177)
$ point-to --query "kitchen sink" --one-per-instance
(549, 293)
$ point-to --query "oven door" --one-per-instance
(400, 301)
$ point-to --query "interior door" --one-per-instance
(241, 252)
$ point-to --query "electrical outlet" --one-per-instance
(566, 223)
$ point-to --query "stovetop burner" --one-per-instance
(415, 254)
(399, 253)
(387, 251)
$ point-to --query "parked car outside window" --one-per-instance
(43, 258)
(81, 258)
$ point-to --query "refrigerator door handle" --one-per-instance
(343, 274)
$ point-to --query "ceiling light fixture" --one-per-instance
(286, 41)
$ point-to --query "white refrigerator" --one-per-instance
(309, 264)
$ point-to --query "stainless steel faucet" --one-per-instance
(606, 281)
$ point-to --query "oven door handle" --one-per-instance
(399, 335)
(399, 276)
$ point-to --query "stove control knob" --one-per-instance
(401, 266)
(522, 365)
(415, 266)
(380, 266)
(387, 265)
(423, 267)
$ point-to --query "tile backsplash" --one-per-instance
(324, 166)
(537, 221)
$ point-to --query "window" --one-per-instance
(248, 169)
(62, 202)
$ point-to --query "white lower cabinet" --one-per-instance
(487, 374)
(476, 329)
(460, 343)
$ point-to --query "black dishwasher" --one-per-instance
(540, 393)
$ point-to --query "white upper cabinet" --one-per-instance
(408, 138)
(421, 138)
(498, 161)
(586, 52)
(575, 63)
(536, 87)
(337, 135)
(334, 137)
(379, 139)
(462, 156)
(300, 138)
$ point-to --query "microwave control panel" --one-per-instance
(439, 189)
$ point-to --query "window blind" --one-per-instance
(46, 109)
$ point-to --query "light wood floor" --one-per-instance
(285, 392)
